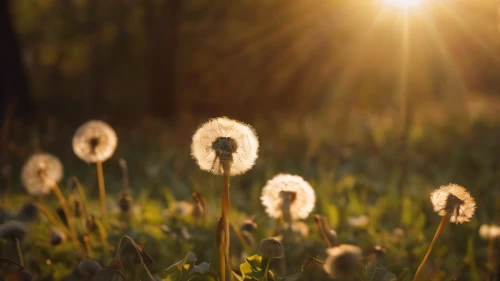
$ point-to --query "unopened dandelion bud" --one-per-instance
(89, 267)
(270, 248)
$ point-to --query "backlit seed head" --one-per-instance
(270, 248)
(40, 173)
(488, 232)
(288, 189)
(95, 141)
(222, 144)
(455, 201)
(13, 230)
(343, 261)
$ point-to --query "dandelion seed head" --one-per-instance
(454, 200)
(488, 232)
(94, 141)
(223, 141)
(302, 200)
(40, 173)
(342, 261)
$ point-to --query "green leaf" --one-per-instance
(197, 276)
(251, 268)
(179, 269)
(377, 272)
(405, 275)
(201, 268)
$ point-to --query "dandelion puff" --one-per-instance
(488, 232)
(342, 261)
(40, 173)
(455, 201)
(302, 200)
(94, 141)
(449, 201)
(223, 141)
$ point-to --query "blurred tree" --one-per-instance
(162, 20)
(13, 83)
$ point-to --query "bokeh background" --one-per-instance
(376, 106)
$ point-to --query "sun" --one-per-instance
(404, 4)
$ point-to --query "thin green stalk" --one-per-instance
(440, 228)
(267, 261)
(12, 261)
(102, 193)
(119, 251)
(19, 251)
(81, 191)
(319, 222)
(68, 214)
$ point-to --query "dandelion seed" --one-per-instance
(95, 141)
(222, 141)
(343, 261)
(455, 201)
(296, 189)
(40, 173)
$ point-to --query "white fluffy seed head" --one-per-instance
(95, 141)
(453, 200)
(40, 173)
(223, 141)
(303, 200)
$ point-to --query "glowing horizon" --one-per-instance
(403, 4)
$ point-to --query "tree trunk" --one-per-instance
(13, 83)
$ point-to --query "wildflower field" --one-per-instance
(307, 200)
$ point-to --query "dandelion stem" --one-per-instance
(102, 193)
(225, 219)
(440, 228)
(19, 251)
(491, 258)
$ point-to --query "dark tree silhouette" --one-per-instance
(13, 83)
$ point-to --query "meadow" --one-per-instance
(372, 186)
